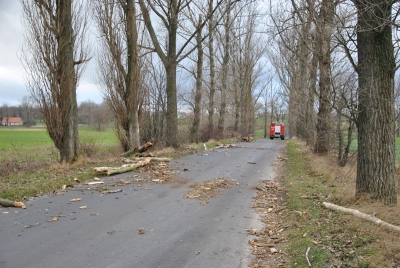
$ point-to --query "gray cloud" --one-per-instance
(12, 73)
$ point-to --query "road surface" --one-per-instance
(177, 232)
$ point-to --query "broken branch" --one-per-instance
(129, 167)
(308, 261)
(361, 215)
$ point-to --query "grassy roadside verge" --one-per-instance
(334, 239)
(21, 179)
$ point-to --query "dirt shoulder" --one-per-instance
(300, 232)
(271, 242)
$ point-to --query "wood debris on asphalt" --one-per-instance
(131, 166)
(208, 189)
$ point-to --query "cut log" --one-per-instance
(129, 167)
(364, 216)
(120, 170)
(9, 203)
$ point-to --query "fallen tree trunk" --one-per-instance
(9, 203)
(101, 169)
(120, 170)
(154, 159)
(364, 216)
(129, 167)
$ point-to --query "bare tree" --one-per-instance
(251, 50)
(225, 61)
(54, 56)
(211, 52)
(101, 116)
(170, 15)
(5, 111)
(85, 112)
(119, 65)
(325, 29)
(370, 50)
(154, 107)
(26, 105)
(194, 133)
(344, 104)
(376, 67)
(294, 43)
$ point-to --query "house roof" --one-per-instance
(11, 120)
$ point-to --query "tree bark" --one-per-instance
(132, 78)
(68, 146)
(310, 114)
(67, 82)
(376, 118)
(225, 62)
(199, 79)
(322, 144)
(212, 70)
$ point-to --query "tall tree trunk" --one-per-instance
(170, 62)
(132, 77)
(293, 112)
(225, 62)
(310, 114)
(376, 118)
(265, 117)
(172, 113)
(212, 69)
(236, 88)
(345, 156)
(302, 87)
(66, 77)
(199, 78)
(322, 143)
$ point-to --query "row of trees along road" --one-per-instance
(140, 48)
(338, 59)
(333, 61)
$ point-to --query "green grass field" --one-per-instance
(25, 143)
(27, 155)
(354, 147)
(23, 137)
(11, 137)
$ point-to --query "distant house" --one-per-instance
(12, 121)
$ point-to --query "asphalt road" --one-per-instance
(179, 232)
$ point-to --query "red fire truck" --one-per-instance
(277, 130)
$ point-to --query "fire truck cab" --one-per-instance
(277, 130)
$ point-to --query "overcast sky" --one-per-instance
(12, 87)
